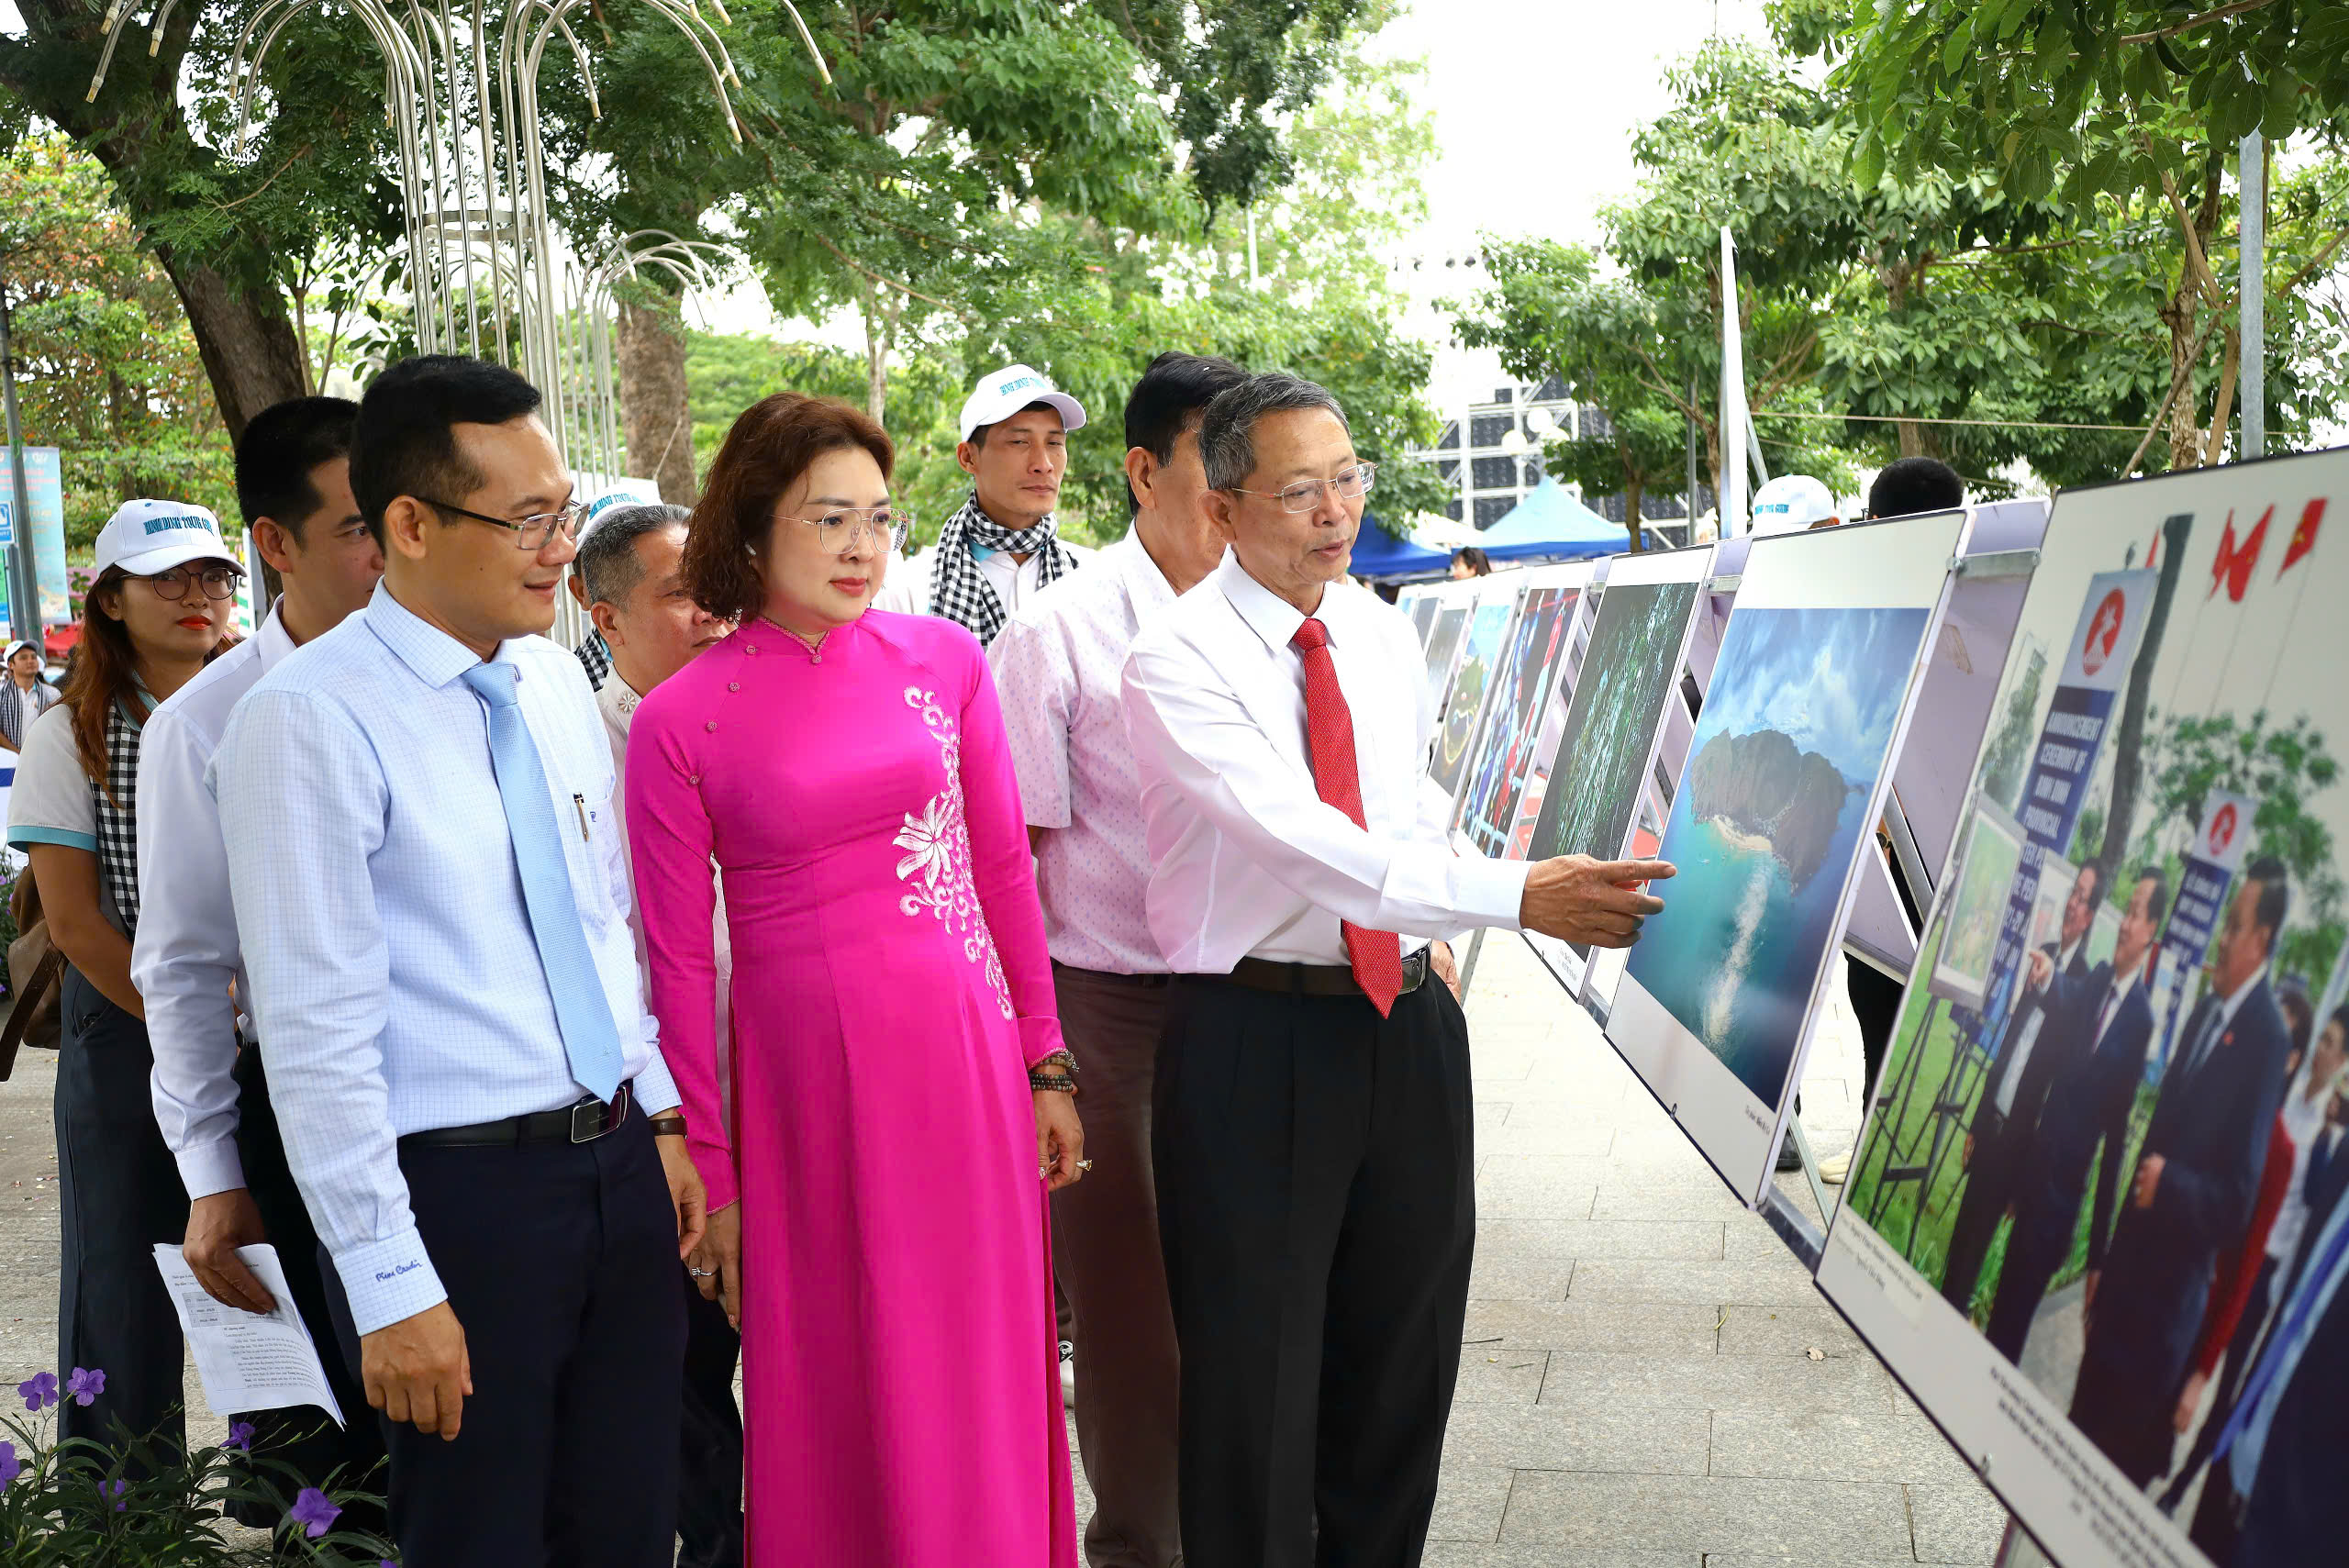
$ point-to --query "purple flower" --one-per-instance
(240, 1436)
(10, 1465)
(115, 1489)
(85, 1384)
(39, 1390)
(313, 1512)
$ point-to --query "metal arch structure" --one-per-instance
(489, 274)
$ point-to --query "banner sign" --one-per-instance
(2096, 667)
(45, 487)
(2219, 846)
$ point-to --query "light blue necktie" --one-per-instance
(589, 1041)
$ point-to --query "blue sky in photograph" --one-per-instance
(1830, 681)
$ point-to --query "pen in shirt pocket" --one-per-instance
(579, 803)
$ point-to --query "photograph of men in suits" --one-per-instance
(2098, 1029)
(2006, 1121)
(2197, 1176)
(2273, 1498)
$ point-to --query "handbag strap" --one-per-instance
(22, 1008)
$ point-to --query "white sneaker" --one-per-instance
(1833, 1170)
(1068, 1372)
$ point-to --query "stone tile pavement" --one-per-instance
(1638, 1389)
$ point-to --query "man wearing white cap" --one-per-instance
(1792, 503)
(155, 611)
(594, 653)
(1002, 548)
(25, 697)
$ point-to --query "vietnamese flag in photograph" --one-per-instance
(2304, 536)
(2234, 566)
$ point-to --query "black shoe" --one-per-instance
(1789, 1157)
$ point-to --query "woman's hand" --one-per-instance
(1060, 1139)
(717, 1263)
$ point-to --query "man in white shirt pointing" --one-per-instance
(1313, 1118)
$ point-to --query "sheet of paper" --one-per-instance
(248, 1360)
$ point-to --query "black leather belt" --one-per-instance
(1110, 977)
(1315, 979)
(584, 1122)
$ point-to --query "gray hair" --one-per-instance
(1226, 447)
(608, 566)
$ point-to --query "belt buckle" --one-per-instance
(604, 1117)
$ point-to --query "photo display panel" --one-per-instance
(1607, 745)
(2094, 1222)
(1535, 662)
(1474, 680)
(1785, 778)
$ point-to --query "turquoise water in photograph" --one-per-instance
(1734, 954)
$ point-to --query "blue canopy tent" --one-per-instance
(1550, 524)
(1380, 556)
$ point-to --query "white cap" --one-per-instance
(146, 537)
(618, 496)
(1791, 503)
(19, 646)
(1005, 391)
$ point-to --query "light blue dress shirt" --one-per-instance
(395, 981)
(2318, 1289)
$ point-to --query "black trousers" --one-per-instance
(1315, 1180)
(303, 1436)
(2036, 1248)
(709, 1475)
(120, 1192)
(2218, 1518)
(1876, 1008)
(1989, 1188)
(560, 1263)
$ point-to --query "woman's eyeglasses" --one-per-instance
(219, 582)
(836, 531)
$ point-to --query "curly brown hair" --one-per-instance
(767, 451)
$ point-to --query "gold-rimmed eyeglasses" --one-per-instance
(1306, 494)
(532, 533)
(837, 530)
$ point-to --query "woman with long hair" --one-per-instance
(155, 613)
(901, 1099)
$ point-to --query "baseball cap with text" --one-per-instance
(1001, 393)
(618, 495)
(1791, 503)
(146, 537)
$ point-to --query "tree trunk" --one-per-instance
(2130, 740)
(657, 423)
(1913, 437)
(248, 344)
(1632, 493)
(2222, 407)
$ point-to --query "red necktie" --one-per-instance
(1378, 956)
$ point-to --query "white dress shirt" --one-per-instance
(1249, 860)
(906, 586)
(395, 979)
(1060, 667)
(187, 961)
(616, 700)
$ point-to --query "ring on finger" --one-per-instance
(1085, 1164)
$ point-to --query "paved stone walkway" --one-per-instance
(1639, 1389)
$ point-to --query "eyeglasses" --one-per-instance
(1306, 494)
(836, 531)
(532, 533)
(219, 582)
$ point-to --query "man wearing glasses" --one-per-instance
(420, 827)
(211, 1100)
(1312, 1127)
(1002, 546)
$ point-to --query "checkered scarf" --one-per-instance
(960, 591)
(596, 658)
(116, 805)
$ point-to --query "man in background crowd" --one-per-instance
(2034, 1049)
(1470, 561)
(628, 568)
(2197, 1174)
(1058, 663)
(595, 655)
(1001, 547)
(2094, 1031)
(211, 1096)
(1792, 504)
(1906, 486)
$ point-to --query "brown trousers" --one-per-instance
(1105, 1255)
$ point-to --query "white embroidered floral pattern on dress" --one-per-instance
(937, 855)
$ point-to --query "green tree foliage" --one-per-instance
(2282, 765)
(107, 370)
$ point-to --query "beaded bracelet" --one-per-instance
(1058, 1083)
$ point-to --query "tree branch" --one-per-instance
(2204, 20)
(857, 266)
(2185, 373)
(2315, 263)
